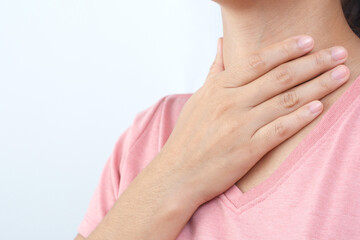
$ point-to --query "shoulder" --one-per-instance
(134, 149)
(158, 118)
(155, 123)
(147, 134)
(171, 110)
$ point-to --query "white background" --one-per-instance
(73, 74)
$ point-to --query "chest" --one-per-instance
(316, 197)
(270, 162)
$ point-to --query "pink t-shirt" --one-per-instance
(314, 194)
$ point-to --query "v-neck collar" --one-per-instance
(238, 201)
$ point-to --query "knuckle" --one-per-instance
(324, 84)
(286, 48)
(283, 75)
(288, 99)
(280, 130)
(256, 62)
(300, 116)
(320, 59)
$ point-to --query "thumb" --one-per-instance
(218, 64)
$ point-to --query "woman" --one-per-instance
(252, 154)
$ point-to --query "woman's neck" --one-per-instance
(250, 25)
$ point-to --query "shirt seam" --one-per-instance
(294, 168)
(160, 105)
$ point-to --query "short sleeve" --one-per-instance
(107, 190)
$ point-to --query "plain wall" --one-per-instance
(73, 74)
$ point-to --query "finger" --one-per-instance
(293, 73)
(291, 100)
(262, 61)
(218, 64)
(274, 133)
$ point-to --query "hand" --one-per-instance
(243, 112)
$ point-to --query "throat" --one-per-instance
(271, 161)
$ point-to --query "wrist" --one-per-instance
(180, 189)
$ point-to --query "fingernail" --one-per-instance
(305, 42)
(315, 107)
(339, 73)
(338, 53)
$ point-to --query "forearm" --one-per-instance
(156, 205)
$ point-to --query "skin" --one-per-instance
(253, 30)
(252, 24)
